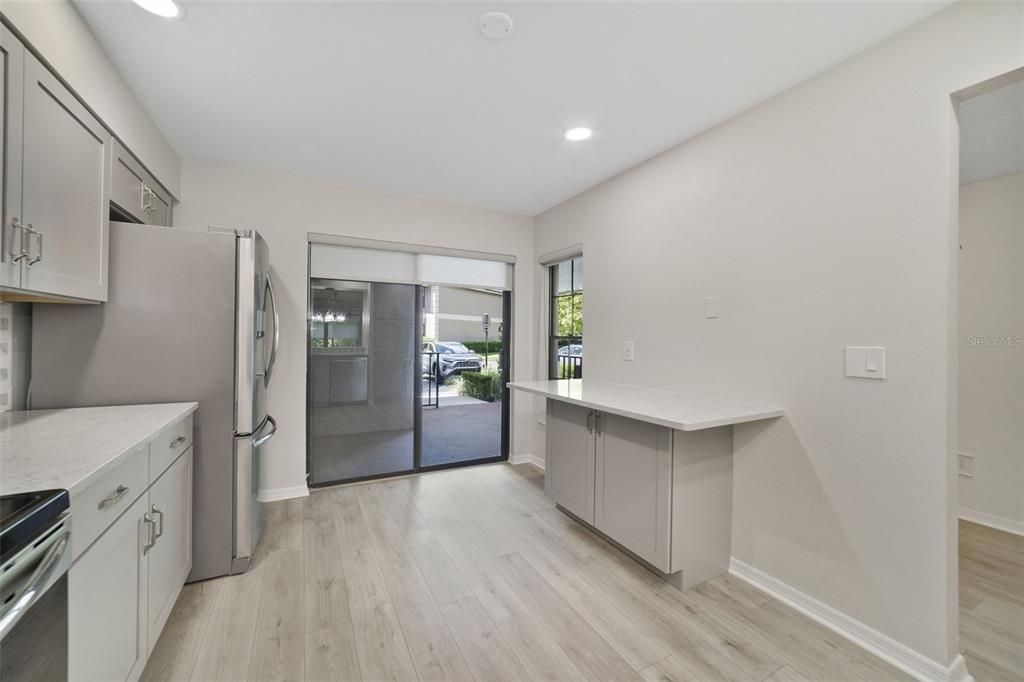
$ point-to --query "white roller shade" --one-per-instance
(363, 265)
(463, 271)
(333, 261)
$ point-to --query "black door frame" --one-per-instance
(505, 356)
(505, 363)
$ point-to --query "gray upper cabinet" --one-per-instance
(135, 192)
(12, 54)
(65, 190)
(569, 469)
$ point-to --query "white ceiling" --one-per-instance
(992, 134)
(409, 97)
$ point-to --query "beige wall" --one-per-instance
(992, 349)
(284, 209)
(56, 31)
(822, 218)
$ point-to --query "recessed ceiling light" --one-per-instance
(577, 134)
(168, 9)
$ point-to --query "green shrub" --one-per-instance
(493, 347)
(484, 385)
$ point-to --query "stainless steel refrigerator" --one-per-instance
(191, 317)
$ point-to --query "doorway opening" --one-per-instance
(465, 405)
(404, 378)
(990, 472)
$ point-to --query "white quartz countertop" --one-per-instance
(71, 448)
(681, 411)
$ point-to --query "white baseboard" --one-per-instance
(527, 458)
(992, 521)
(884, 647)
(275, 494)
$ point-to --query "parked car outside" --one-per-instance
(451, 358)
(574, 350)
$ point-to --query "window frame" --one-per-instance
(569, 368)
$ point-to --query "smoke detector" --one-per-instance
(496, 25)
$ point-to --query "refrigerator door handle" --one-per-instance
(260, 440)
(272, 360)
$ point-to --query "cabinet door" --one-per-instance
(12, 70)
(105, 589)
(633, 503)
(160, 208)
(65, 190)
(170, 559)
(126, 182)
(569, 469)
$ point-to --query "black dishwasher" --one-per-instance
(35, 553)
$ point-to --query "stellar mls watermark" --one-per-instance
(995, 340)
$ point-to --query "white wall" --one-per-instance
(992, 349)
(56, 31)
(822, 218)
(284, 209)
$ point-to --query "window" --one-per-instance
(566, 343)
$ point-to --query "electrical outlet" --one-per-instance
(965, 465)
(627, 350)
(711, 310)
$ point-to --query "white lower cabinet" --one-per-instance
(663, 495)
(569, 469)
(121, 589)
(170, 557)
(633, 486)
(105, 588)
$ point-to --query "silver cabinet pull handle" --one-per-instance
(160, 523)
(178, 442)
(148, 520)
(22, 253)
(33, 232)
(113, 498)
(590, 421)
(598, 419)
(147, 193)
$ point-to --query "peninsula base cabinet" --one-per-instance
(121, 589)
(663, 495)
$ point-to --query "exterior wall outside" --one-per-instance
(821, 218)
(456, 304)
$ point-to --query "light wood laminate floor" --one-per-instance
(992, 603)
(472, 574)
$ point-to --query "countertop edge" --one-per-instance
(102, 461)
(80, 486)
(758, 412)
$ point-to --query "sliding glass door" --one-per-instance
(403, 378)
(363, 383)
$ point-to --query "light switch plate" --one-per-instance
(711, 307)
(865, 362)
(627, 350)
